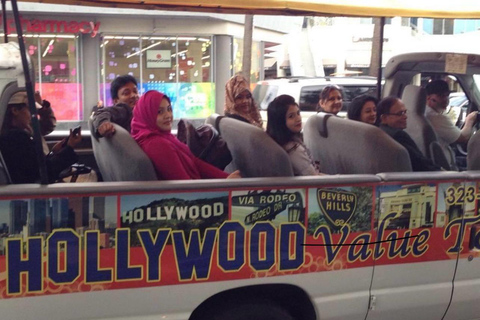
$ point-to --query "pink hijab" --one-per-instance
(144, 121)
(144, 127)
(236, 85)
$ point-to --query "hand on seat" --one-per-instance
(235, 175)
(106, 129)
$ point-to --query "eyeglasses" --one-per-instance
(398, 114)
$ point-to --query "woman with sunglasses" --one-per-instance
(393, 120)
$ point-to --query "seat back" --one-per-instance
(346, 147)
(473, 154)
(120, 158)
(212, 119)
(254, 153)
(419, 128)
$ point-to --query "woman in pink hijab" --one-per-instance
(239, 103)
(151, 126)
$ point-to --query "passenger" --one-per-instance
(125, 95)
(438, 94)
(172, 159)
(46, 118)
(284, 126)
(393, 120)
(363, 108)
(331, 100)
(239, 103)
(18, 148)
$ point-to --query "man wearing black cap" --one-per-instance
(437, 101)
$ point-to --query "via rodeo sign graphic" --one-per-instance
(338, 206)
(270, 204)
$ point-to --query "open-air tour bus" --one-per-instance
(373, 240)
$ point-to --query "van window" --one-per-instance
(309, 95)
(264, 94)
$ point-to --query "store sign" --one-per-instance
(159, 59)
(54, 26)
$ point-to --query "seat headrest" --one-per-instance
(322, 125)
(415, 99)
(253, 151)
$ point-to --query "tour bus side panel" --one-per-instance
(422, 228)
(467, 279)
(84, 243)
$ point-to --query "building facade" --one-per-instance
(78, 51)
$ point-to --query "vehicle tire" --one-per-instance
(250, 311)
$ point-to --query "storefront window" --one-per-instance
(120, 55)
(56, 65)
(178, 66)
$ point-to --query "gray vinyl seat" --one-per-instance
(473, 154)
(120, 158)
(420, 129)
(345, 146)
(254, 153)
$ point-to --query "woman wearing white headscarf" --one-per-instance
(239, 103)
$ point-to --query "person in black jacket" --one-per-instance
(393, 120)
(125, 95)
(18, 148)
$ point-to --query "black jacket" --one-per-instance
(120, 114)
(418, 160)
(18, 151)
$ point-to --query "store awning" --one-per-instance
(468, 9)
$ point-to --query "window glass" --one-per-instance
(196, 95)
(121, 55)
(56, 66)
(310, 95)
(350, 92)
(178, 66)
(263, 94)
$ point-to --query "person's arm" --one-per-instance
(301, 162)
(103, 119)
(418, 160)
(46, 117)
(100, 117)
(466, 131)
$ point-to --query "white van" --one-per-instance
(306, 91)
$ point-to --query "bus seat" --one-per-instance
(254, 153)
(347, 147)
(212, 119)
(473, 152)
(420, 129)
(120, 158)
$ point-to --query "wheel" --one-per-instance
(250, 311)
